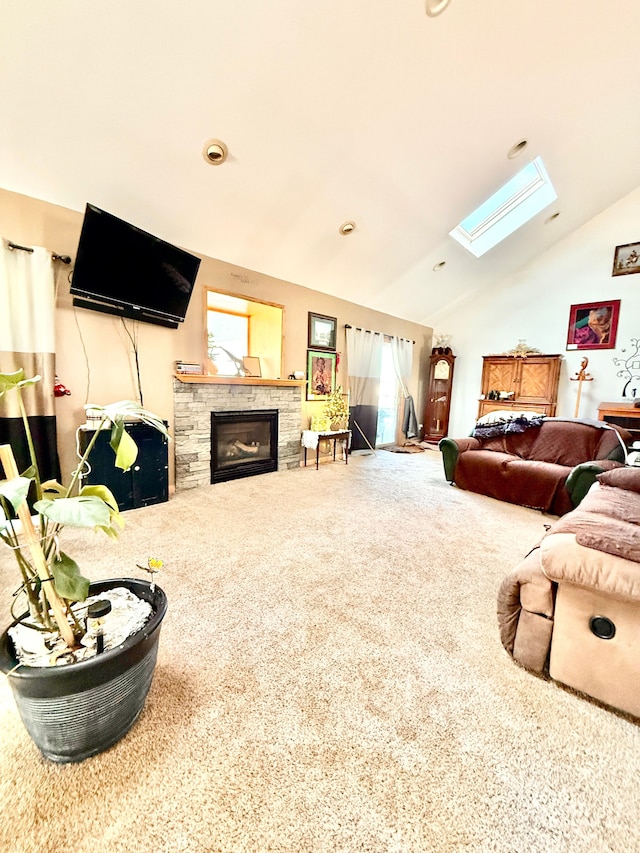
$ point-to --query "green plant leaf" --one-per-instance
(101, 492)
(53, 488)
(129, 409)
(81, 511)
(15, 380)
(15, 490)
(69, 582)
(126, 451)
(116, 521)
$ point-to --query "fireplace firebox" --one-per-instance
(243, 444)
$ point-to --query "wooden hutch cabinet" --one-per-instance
(436, 417)
(531, 382)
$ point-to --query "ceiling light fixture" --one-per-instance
(516, 149)
(347, 227)
(435, 7)
(215, 152)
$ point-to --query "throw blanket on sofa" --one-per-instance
(504, 427)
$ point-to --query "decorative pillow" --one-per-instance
(567, 442)
(622, 478)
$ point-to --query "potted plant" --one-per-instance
(76, 704)
(336, 409)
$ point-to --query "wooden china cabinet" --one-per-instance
(436, 417)
(530, 381)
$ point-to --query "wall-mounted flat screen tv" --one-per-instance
(123, 270)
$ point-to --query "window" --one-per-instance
(238, 326)
(227, 340)
(518, 201)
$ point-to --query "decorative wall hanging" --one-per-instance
(322, 332)
(626, 259)
(629, 370)
(593, 325)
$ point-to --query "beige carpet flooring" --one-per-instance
(330, 678)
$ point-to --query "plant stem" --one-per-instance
(32, 450)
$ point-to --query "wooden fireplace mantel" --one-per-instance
(198, 379)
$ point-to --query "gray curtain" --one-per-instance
(402, 351)
(27, 341)
(364, 360)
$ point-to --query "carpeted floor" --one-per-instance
(330, 678)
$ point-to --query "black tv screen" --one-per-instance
(123, 270)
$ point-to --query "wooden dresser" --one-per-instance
(532, 381)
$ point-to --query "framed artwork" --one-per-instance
(321, 374)
(251, 365)
(626, 259)
(593, 325)
(322, 332)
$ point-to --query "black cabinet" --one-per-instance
(147, 482)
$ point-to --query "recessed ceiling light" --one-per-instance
(435, 7)
(215, 152)
(552, 217)
(516, 149)
(439, 265)
(347, 227)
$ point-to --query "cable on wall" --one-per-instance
(134, 345)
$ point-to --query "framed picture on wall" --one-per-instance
(626, 259)
(322, 332)
(593, 325)
(321, 374)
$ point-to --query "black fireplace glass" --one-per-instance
(243, 444)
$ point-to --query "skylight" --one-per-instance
(515, 203)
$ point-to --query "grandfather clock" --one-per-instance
(436, 416)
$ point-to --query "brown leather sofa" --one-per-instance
(534, 461)
(571, 609)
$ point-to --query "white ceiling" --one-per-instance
(332, 110)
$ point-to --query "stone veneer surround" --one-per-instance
(193, 402)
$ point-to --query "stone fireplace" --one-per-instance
(197, 398)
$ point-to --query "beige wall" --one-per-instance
(95, 357)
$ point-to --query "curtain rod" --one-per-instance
(358, 329)
(65, 259)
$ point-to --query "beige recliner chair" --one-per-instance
(571, 608)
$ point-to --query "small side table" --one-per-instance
(311, 440)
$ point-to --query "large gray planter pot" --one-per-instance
(79, 709)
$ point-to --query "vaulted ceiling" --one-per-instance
(332, 111)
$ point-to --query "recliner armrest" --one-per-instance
(583, 476)
(451, 448)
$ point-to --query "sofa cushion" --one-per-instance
(608, 521)
(566, 443)
(516, 444)
(622, 478)
(539, 485)
(564, 559)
